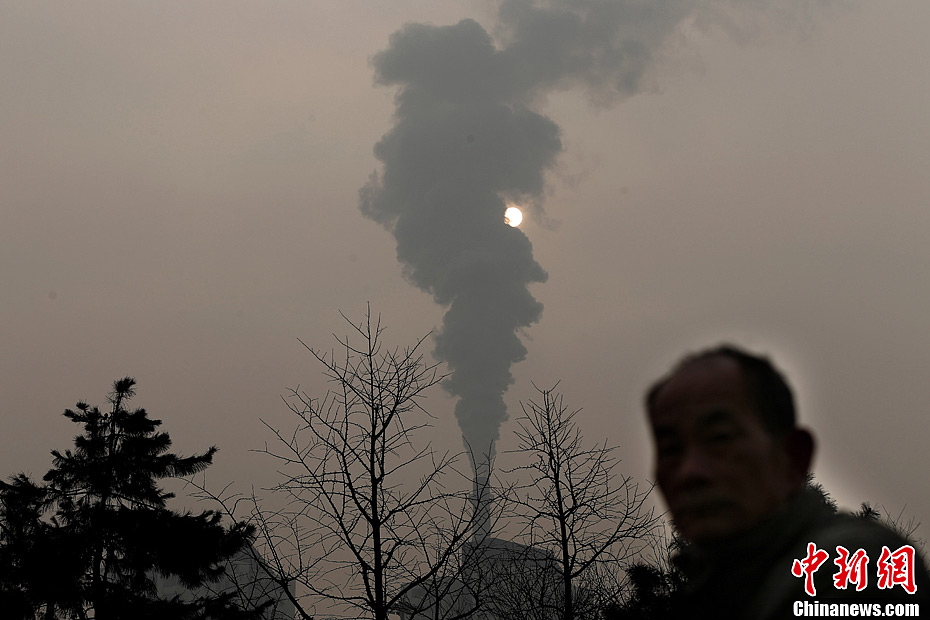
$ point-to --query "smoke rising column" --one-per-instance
(463, 144)
(466, 140)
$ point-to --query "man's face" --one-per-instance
(719, 469)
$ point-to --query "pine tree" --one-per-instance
(107, 530)
(28, 580)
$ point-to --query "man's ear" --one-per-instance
(799, 446)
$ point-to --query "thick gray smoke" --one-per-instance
(467, 140)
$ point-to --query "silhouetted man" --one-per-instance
(732, 464)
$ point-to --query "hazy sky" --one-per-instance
(179, 202)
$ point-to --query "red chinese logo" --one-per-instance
(852, 569)
(893, 567)
(897, 568)
(808, 566)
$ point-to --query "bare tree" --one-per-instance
(906, 528)
(575, 505)
(651, 583)
(516, 580)
(372, 517)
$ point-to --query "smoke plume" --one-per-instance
(467, 139)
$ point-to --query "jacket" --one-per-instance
(762, 574)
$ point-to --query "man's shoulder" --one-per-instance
(852, 532)
(768, 570)
(836, 553)
(842, 535)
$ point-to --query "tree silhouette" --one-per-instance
(905, 528)
(373, 523)
(28, 579)
(818, 489)
(101, 528)
(575, 505)
(652, 594)
(652, 585)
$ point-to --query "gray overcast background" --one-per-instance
(179, 202)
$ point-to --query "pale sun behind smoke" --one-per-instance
(513, 216)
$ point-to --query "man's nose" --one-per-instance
(695, 466)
